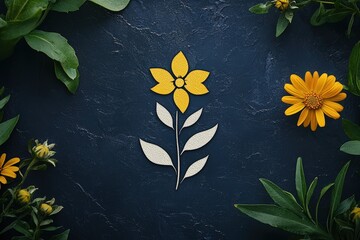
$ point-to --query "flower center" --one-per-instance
(179, 82)
(313, 101)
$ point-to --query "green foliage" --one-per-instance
(352, 130)
(22, 19)
(354, 70)
(8, 126)
(289, 215)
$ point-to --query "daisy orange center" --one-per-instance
(313, 101)
(179, 82)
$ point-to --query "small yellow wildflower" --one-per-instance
(181, 82)
(46, 208)
(7, 169)
(314, 97)
(23, 196)
(355, 213)
(281, 4)
(43, 150)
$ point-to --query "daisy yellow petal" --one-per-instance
(293, 91)
(8, 173)
(308, 80)
(294, 109)
(291, 99)
(337, 98)
(320, 83)
(308, 119)
(320, 118)
(336, 106)
(12, 162)
(197, 76)
(298, 83)
(336, 89)
(3, 180)
(330, 112)
(2, 159)
(313, 123)
(161, 75)
(181, 99)
(303, 116)
(196, 88)
(164, 88)
(329, 83)
(12, 168)
(179, 65)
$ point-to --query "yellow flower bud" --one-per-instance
(46, 208)
(281, 4)
(23, 196)
(41, 151)
(355, 213)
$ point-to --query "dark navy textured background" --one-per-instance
(108, 188)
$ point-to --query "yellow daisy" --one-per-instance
(314, 97)
(181, 82)
(355, 213)
(281, 4)
(7, 169)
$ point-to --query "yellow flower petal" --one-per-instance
(308, 119)
(336, 106)
(161, 75)
(8, 173)
(294, 109)
(298, 83)
(336, 89)
(320, 83)
(293, 91)
(12, 168)
(303, 116)
(308, 80)
(2, 159)
(179, 65)
(196, 88)
(330, 112)
(320, 118)
(313, 122)
(337, 98)
(291, 99)
(164, 88)
(329, 83)
(3, 180)
(197, 76)
(12, 162)
(181, 99)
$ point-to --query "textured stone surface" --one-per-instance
(108, 188)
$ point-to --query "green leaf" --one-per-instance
(350, 25)
(56, 47)
(67, 5)
(6, 129)
(289, 15)
(337, 192)
(71, 85)
(22, 227)
(3, 23)
(19, 10)
(309, 194)
(281, 25)
(4, 101)
(61, 236)
(351, 129)
(50, 229)
(343, 225)
(261, 8)
(351, 147)
(280, 197)
(280, 218)
(112, 5)
(322, 193)
(300, 181)
(319, 16)
(46, 222)
(354, 70)
(345, 206)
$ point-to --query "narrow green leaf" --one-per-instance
(61, 236)
(346, 205)
(67, 5)
(281, 25)
(309, 194)
(3, 23)
(319, 16)
(6, 129)
(351, 129)
(354, 70)
(300, 181)
(351, 147)
(71, 85)
(112, 5)
(289, 15)
(261, 8)
(343, 225)
(337, 192)
(322, 193)
(4, 101)
(280, 197)
(350, 25)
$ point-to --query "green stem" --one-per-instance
(177, 149)
(324, 2)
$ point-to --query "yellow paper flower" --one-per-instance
(23, 196)
(314, 97)
(46, 208)
(281, 4)
(7, 169)
(181, 82)
(355, 213)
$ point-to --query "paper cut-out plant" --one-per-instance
(181, 83)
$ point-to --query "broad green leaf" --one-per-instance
(354, 70)
(67, 5)
(56, 47)
(351, 147)
(309, 194)
(319, 16)
(281, 25)
(337, 192)
(112, 5)
(346, 205)
(20, 10)
(280, 218)
(337, 14)
(6, 129)
(261, 8)
(351, 129)
(14, 30)
(71, 85)
(322, 193)
(4, 101)
(61, 236)
(300, 181)
(280, 197)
